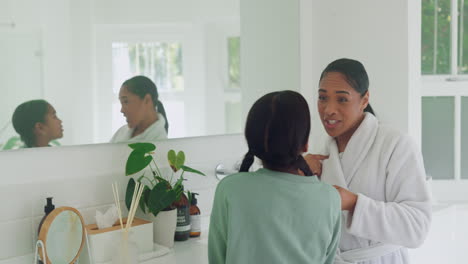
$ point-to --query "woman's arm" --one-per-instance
(406, 216)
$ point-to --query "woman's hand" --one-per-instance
(348, 199)
(315, 163)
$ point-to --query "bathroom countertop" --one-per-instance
(194, 251)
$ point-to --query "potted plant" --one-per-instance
(160, 191)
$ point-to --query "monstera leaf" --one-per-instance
(139, 158)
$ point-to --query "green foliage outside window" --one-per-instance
(436, 37)
(463, 38)
(234, 62)
(160, 61)
(436, 41)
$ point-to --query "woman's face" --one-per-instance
(133, 107)
(52, 125)
(341, 108)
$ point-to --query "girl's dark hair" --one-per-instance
(355, 74)
(26, 116)
(277, 129)
(141, 86)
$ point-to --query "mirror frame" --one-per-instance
(47, 224)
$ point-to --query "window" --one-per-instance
(232, 102)
(444, 65)
(444, 48)
(234, 62)
(161, 62)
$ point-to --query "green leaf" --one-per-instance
(136, 162)
(160, 198)
(180, 159)
(143, 147)
(12, 142)
(188, 169)
(176, 161)
(54, 143)
(141, 177)
(168, 184)
(189, 196)
(179, 188)
(171, 157)
(144, 198)
(129, 193)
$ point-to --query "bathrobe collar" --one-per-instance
(355, 152)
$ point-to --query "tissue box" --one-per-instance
(102, 242)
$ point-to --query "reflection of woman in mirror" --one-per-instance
(37, 123)
(145, 114)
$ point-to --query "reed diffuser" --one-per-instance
(126, 251)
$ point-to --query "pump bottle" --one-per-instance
(195, 230)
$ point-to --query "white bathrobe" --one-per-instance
(393, 210)
(156, 131)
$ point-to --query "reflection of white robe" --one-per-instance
(386, 170)
(154, 132)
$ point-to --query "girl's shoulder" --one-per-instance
(330, 192)
(233, 178)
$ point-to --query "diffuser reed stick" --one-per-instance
(115, 190)
(134, 205)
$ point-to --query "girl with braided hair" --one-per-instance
(37, 123)
(281, 213)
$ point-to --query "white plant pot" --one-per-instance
(164, 225)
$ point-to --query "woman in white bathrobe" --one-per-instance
(377, 170)
(144, 113)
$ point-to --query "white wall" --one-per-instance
(384, 36)
(81, 177)
(64, 71)
(149, 11)
(293, 41)
(270, 48)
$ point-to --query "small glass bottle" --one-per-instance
(49, 207)
(195, 223)
(182, 231)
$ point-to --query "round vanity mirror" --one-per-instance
(63, 235)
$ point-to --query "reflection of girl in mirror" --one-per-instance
(145, 114)
(37, 123)
(275, 214)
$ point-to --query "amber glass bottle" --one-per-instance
(183, 219)
(195, 230)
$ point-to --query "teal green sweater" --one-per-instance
(274, 217)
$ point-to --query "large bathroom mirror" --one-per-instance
(76, 54)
